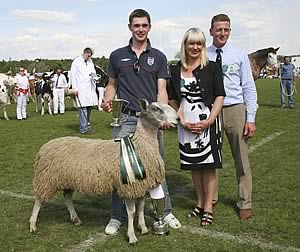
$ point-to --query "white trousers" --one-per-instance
(21, 106)
(101, 94)
(59, 99)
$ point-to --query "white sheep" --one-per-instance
(93, 167)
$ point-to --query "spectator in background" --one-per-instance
(59, 84)
(288, 79)
(82, 70)
(23, 93)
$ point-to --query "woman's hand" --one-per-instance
(196, 127)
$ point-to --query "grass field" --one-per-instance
(274, 157)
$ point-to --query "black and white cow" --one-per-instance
(43, 91)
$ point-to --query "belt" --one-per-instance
(231, 105)
(131, 112)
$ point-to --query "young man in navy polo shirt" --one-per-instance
(137, 71)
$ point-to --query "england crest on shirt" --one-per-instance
(150, 61)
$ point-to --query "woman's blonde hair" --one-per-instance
(193, 35)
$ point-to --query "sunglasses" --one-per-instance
(22, 70)
(136, 66)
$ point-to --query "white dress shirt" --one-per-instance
(238, 80)
(62, 81)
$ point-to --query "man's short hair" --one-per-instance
(138, 13)
(219, 18)
(88, 50)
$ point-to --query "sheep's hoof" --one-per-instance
(76, 221)
(144, 230)
(132, 240)
(32, 228)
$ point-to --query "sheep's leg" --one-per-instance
(69, 203)
(130, 206)
(141, 216)
(5, 114)
(34, 215)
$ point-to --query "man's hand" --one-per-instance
(76, 93)
(106, 105)
(249, 129)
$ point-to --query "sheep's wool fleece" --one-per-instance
(93, 166)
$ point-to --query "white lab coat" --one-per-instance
(81, 81)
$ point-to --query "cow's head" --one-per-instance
(2, 88)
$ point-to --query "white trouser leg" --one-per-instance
(21, 106)
(101, 94)
(24, 105)
(55, 100)
(61, 98)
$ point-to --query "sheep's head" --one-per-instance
(157, 113)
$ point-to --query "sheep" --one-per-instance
(92, 166)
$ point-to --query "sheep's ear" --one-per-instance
(277, 49)
(143, 104)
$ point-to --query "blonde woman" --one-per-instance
(196, 91)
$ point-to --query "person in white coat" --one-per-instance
(59, 84)
(82, 70)
(23, 93)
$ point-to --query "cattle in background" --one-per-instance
(10, 83)
(69, 92)
(3, 99)
(31, 81)
(43, 91)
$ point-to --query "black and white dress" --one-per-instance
(197, 151)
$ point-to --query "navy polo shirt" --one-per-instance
(137, 77)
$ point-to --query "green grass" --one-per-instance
(276, 180)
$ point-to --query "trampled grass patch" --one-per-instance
(275, 167)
